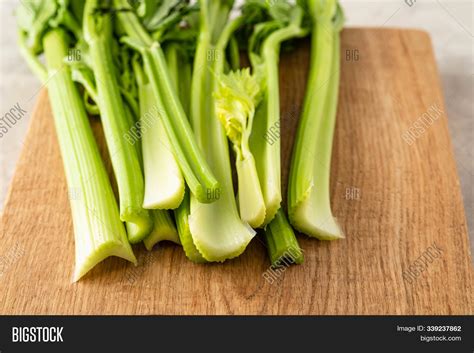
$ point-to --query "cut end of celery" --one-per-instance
(282, 245)
(314, 222)
(254, 217)
(139, 225)
(218, 239)
(165, 235)
(168, 199)
(164, 182)
(251, 203)
(159, 236)
(164, 229)
(164, 186)
(272, 207)
(110, 248)
(192, 253)
(182, 223)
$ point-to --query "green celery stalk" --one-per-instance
(282, 245)
(164, 183)
(180, 70)
(32, 60)
(267, 155)
(181, 215)
(125, 160)
(85, 77)
(309, 206)
(180, 74)
(98, 231)
(131, 124)
(191, 160)
(217, 230)
(234, 54)
(174, 65)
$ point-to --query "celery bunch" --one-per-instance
(238, 97)
(191, 160)
(165, 79)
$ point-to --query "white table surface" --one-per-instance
(449, 23)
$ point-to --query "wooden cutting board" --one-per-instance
(399, 205)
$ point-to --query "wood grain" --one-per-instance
(408, 202)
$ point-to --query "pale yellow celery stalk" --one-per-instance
(164, 183)
(159, 164)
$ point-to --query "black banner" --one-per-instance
(236, 333)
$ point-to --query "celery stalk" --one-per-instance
(181, 215)
(236, 97)
(267, 155)
(163, 229)
(180, 70)
(309, 204)
(32, 60)
(98, 231)
(234, 54)
(191, 160)
(173, 60)
(282, 246)
(180, 73)
(163, 179)
(131, 124)
(164, 183)
(217, 230)
(125, 161)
